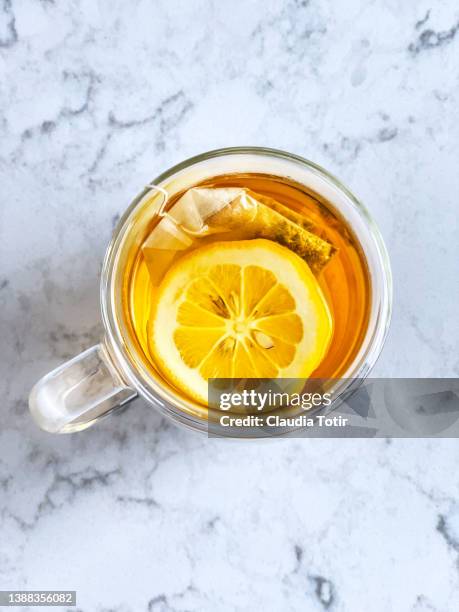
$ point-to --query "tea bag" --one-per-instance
(202, 215)
(261, 217)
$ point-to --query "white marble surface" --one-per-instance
(95, 99)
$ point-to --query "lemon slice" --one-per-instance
(249, 309)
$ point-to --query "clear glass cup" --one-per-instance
(110, 374)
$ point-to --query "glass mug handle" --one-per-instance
(79, 392)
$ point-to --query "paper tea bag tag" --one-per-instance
(182, 225)
(196, 205)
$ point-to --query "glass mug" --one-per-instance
(109, 375)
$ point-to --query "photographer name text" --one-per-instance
(278, 421)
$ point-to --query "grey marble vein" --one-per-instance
(430, 39)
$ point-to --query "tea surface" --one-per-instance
(344, 280)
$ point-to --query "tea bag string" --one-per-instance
(164, 214)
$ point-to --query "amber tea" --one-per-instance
(246, 275)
